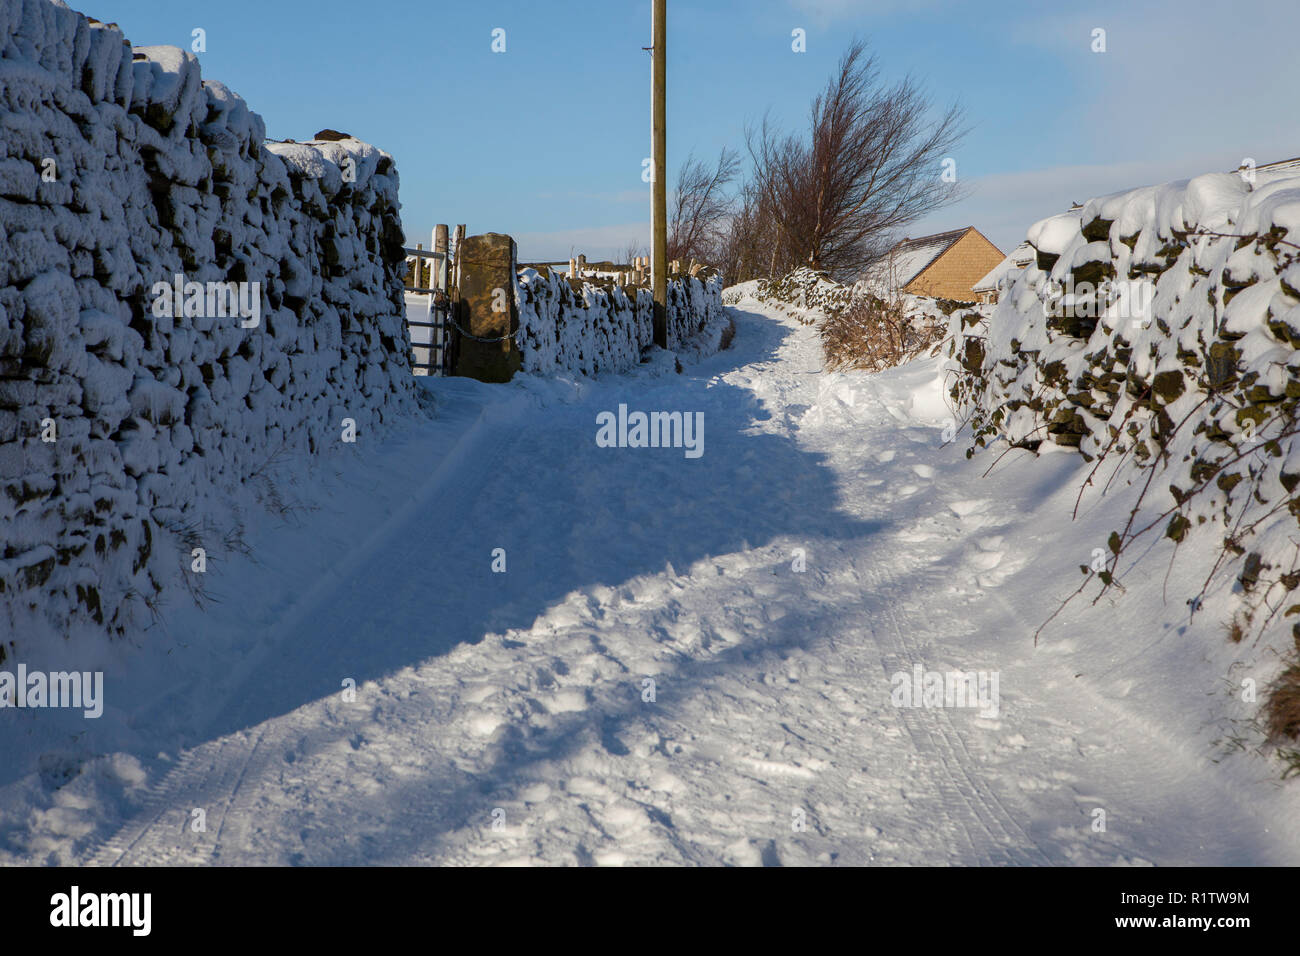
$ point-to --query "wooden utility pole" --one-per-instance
(659, 202)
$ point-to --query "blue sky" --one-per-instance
(545, 141)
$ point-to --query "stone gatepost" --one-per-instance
(487, 309)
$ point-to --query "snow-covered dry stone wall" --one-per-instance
(813, 296)
(589, 326)
(806, 293)
(135, 384)
(1162, 325)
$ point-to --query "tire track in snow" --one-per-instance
(211, 768)
(985, 826)
(991, 832)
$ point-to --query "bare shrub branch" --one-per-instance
(701, 206)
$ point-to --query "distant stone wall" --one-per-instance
(859, 329)
(121, 170)
(592, 326)
(808, 294)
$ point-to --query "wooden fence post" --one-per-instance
(440, 245)
(457, 237)
(438, 281)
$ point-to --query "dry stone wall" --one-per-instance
(135, 383)
(588, 327)
(1162, 327)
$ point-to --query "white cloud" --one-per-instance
(1177, 74)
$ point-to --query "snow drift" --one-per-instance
(121, 169)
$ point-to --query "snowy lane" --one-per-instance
(652, 681)
(588, 533)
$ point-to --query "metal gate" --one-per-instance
(434, 332)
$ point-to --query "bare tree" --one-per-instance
(701, 206)
(752, 244)
(871, 164)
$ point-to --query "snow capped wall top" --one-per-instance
(335, 163)
(229, 112)
(167, 77)
(1053, 234)
(1248, 201)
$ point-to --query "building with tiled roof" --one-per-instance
(946, 265)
